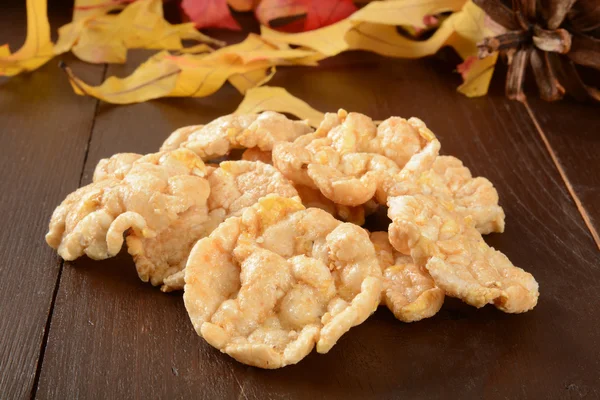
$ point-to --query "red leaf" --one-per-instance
(319, 13)
(243, 5)
(210, 13)
(326, 12)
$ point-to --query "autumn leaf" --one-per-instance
(100, 38)
(243, 5)
(269, 10)
(409, 12)
(37, 49)
(278, 99)
(210, 14)
(83, 9)
(385, 40)
(328, 41)
(251, 79)
(153, 79)
(471, 26)
(245, 64)
(319, 13)
(476, 74)
(373, 28)
(326, 12)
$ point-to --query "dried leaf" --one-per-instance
(319, 13)
(252, 79)
(328, 41)
(322, 13)
(269, 10)
(243, 5)
(278, 99)
(197, 49)
(153, 79)
(106, 38)
(245, 65)
(385, 40)
(37, 49)
(476, 74)
(83, 9)
(210, 14)
(409, 13)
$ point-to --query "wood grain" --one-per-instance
(115, 337)
(44, 133)
(572, 133)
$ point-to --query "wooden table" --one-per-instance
(93, 330)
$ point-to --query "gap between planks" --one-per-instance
(42, 352)
(580, 207)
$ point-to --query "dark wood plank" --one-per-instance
(114, 335)
(45, 130)
(572, 131)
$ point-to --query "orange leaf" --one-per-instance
(210, 13)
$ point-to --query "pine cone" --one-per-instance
(554, 37)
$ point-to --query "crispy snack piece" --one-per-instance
(408, 290)
(256, 154)
(448, 179)
(266, 286)
(447, 244)
(116, 166)
(476, 197)
(313, 197)
(220, 136)
(179, 136)
(347, 156)
(235, 185)
(153, 199)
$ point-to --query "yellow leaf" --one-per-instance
(404, 12)
(166, 75)
(153, 79)
(477, 76)
(37, 49)
(278, 99)
(99, 37)
(85, 9)
(68, 35)
(328, 41)
(4, 50)
(384, 40)
(197, 49)
(251, 79)
(204, 76)
(469, 23)
(96, 43)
